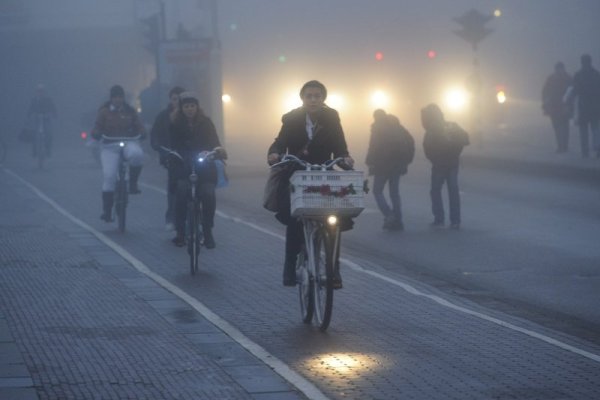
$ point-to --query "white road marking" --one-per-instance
(295, 379)
(445, 303)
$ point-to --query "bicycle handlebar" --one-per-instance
(289, 158)
(120, 138)
(201, 157)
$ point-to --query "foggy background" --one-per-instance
(268, 48)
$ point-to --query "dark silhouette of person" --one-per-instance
(443, 143)
(159, 139)
(586, 92)
(42, 107)
(553, 92)
(391, 150)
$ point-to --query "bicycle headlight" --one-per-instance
(200, 159)
(332, 220)
(121, 144)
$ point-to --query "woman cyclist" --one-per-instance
(117, 119)
(313, 133)
(193, 132)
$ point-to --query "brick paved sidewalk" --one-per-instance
(78, 322)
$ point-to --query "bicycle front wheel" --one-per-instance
(323, 249)
(193, 237)
(305, 287)
(121, 203)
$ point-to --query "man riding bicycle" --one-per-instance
(313, 133)
(117, 119)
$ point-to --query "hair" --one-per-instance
(117, 91)
(586, 60)
(379, 114)
(176, 90)
(313, 84)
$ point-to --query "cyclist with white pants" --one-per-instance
(117, 119)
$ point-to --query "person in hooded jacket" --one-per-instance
(554, 90)
(443, 143)
(391, 150)
(191, 133)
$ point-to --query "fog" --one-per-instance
(270, 47)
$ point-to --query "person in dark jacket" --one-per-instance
(313, 133)
(116, 119)
(554, 90)
(391, 150)
(443, 143)
(159, 139)
(42, 106)
(586, 89)
(191, 133)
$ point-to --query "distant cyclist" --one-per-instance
(42, 106)
(118, 119)
(191, 133)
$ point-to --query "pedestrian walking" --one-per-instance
(159, 139)
(391, 150)
(553, 92)
(586, 91)
(443, 143)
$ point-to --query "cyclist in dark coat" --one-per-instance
(313, 133)
(391, 149)
(193, 132)
(159, 138)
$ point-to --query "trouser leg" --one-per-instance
(454, 197)
(437, 207)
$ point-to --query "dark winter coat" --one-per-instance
(391, 147)
(189, 140)
(443, 147)
(328, 138)
(586, 86)
(553, 92)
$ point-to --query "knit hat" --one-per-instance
(117, 91)
(188, 97)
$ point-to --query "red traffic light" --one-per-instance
(379, 56)
(84, 135)
(431, 54)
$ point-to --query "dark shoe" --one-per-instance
(436, 224)
(455, 227)
(179, 240)
(289, 271)
(396, 226)
(106, 217)
(134, 189)
(209, 240)
(337, 279)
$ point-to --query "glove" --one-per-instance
(221, 153)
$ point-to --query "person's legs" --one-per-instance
(557, 132)
(135, 155)
(294, 238)
(109, 157)
(209, 207)
(583, 136)
(595, 129)
(379, 182)
(454, 197)
(563, 129)
(394, 190)
(437, 207)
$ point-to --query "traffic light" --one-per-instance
(151, 33)
(431, 54)
(473, 27)
(379, 56)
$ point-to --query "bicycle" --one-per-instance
(121, 187)
(193, 231)
(320, 197)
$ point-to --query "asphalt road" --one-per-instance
(507, 307)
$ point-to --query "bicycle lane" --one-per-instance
(384, 342)
(77, 321)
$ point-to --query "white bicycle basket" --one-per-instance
(319, 193)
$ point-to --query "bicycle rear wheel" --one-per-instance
(305, 287)
(193, 237)
(323, 279)
(121, 203)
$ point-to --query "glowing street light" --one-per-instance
(226, 98)
(379, 99)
